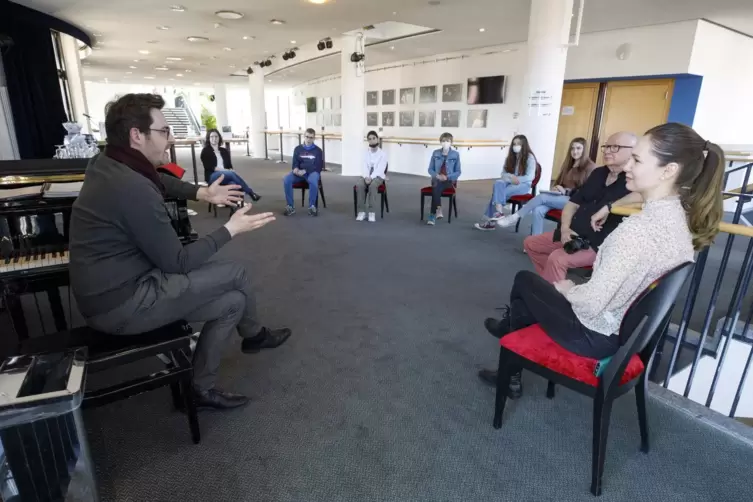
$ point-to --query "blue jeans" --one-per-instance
(311, 178)
(540, 205)
(231, 178)
(503, 191)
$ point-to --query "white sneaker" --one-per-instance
(361, 216)
(372, 217)
(439, 213)
(508, 221)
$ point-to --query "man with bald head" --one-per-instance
(575, 242)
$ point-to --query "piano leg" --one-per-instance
(56, 305)
(16, 311)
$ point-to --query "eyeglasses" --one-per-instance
(165, 130)
(309, 137)
(613, 148)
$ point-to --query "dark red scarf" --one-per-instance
(136, 161)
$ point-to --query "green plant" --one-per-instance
(207, 119)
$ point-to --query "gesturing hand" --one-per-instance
(241, 221)
(598, 219)
(229, 195)
(560, 189)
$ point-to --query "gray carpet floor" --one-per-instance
(375, 397)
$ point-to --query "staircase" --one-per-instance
(179, 123)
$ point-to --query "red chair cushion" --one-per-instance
(447, 191)
(520, 199)
(174, 169)
(536, 346)
(554, 213)
(300, 184)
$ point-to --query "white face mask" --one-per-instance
(516, 148)
(446, 145)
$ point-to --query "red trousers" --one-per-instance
(551, 261)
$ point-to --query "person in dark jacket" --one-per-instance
(308, 162)
(216, 160)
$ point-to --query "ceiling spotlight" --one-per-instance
(357, 57)
(133, 67)
(178, 74)
(163, 27)
(277, 21)
(392, 47)
(249, 71)
(482, 30)
(320, 45)
(197, 39)
(149, 77)
(328, 43)
(248, 37)
(161, 68)
(177, 8)
(228, 14)
(228, 49)
(267, 63)
(293, 42)
(143, 51)
(173, 58)
(318, 2)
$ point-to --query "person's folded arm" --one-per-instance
(150, 229)
(623, 268)
(179, 189)
(629, 200)
(456, 174)
(567, 214)
(530, 170)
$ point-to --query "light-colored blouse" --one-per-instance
(641, 249)
(220, 162)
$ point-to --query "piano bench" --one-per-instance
(107, 351)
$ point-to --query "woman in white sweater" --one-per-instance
(679, 177)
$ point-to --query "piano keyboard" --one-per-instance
(43, 257)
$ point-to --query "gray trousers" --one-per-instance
(217, 293)
(367, 198)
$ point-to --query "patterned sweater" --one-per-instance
(641, 249)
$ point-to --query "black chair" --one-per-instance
(640, 331)
(110, 351)
(303, 186)
(383, 196)
(448, 193)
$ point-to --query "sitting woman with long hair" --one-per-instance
(216, 161)
(516, 178)
(575, 169)
(679, 177)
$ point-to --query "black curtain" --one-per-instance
(33, 87)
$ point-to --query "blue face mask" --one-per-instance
(308, 147)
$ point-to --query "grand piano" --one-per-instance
(34, 235)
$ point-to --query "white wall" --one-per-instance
(655, 50)
(725, 105)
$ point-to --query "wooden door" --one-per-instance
(635, 106)
(577, 116)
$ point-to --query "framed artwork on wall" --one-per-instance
(426, 119)
(452, 93)
(327, 103)
(406, 118)
(450, 118)
(372, 119)
(427, 94)
(407, 96)
(337, 119)
(477, 118)
(327, 119)
(311, 105)
(388, 119)
(388, 97)
(372, 98)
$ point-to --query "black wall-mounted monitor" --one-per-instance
(486, 90)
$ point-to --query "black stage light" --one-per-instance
(249, 71)
(357, 57)
(320, 45)
(329, 44)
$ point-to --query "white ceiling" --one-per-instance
(122, 29)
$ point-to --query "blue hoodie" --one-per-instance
(308, 158)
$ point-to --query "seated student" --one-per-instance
(516, 178)
(574, 172)
(308, 162)
(216, 161)
(574, 243)
(373, 175)
(679, 176)
(444, 169)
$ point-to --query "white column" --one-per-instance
(258, 113)
(74, 74)
(220, 105)
(548, 33)
(353, 108)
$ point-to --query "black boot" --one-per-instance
(499, 327)
(266, 339)
(515, 389)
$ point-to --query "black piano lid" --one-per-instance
(43, 167)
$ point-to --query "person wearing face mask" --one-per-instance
(444, 169)
(216, 161)
(575, 170)
(308, 163)
(373, 174)
(516, 178)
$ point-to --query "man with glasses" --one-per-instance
(130, 273)
(575, 242)
(308, 162)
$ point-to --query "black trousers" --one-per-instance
(533, 300)
(437, 187)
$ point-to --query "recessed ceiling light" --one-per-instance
(152, 41)
(188, 71)
(149, 77)
(482, 30)
(248, 37)
(394, 13)
(133, 67)
(173, 58)
(228, 14)
(506, 50)
(178, 74)
(163, 27)
(232, 66)
(161, 68)
(143, 51)
(277, 21)
(318, 2)
(228, 49)
(197, 39)
(136, 60)
(293, 42)
(392, 47)
(177, 8)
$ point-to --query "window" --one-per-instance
(65, 91)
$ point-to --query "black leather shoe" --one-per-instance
(515, 389)
(271, 339)
(499, 327)
(218, 400)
